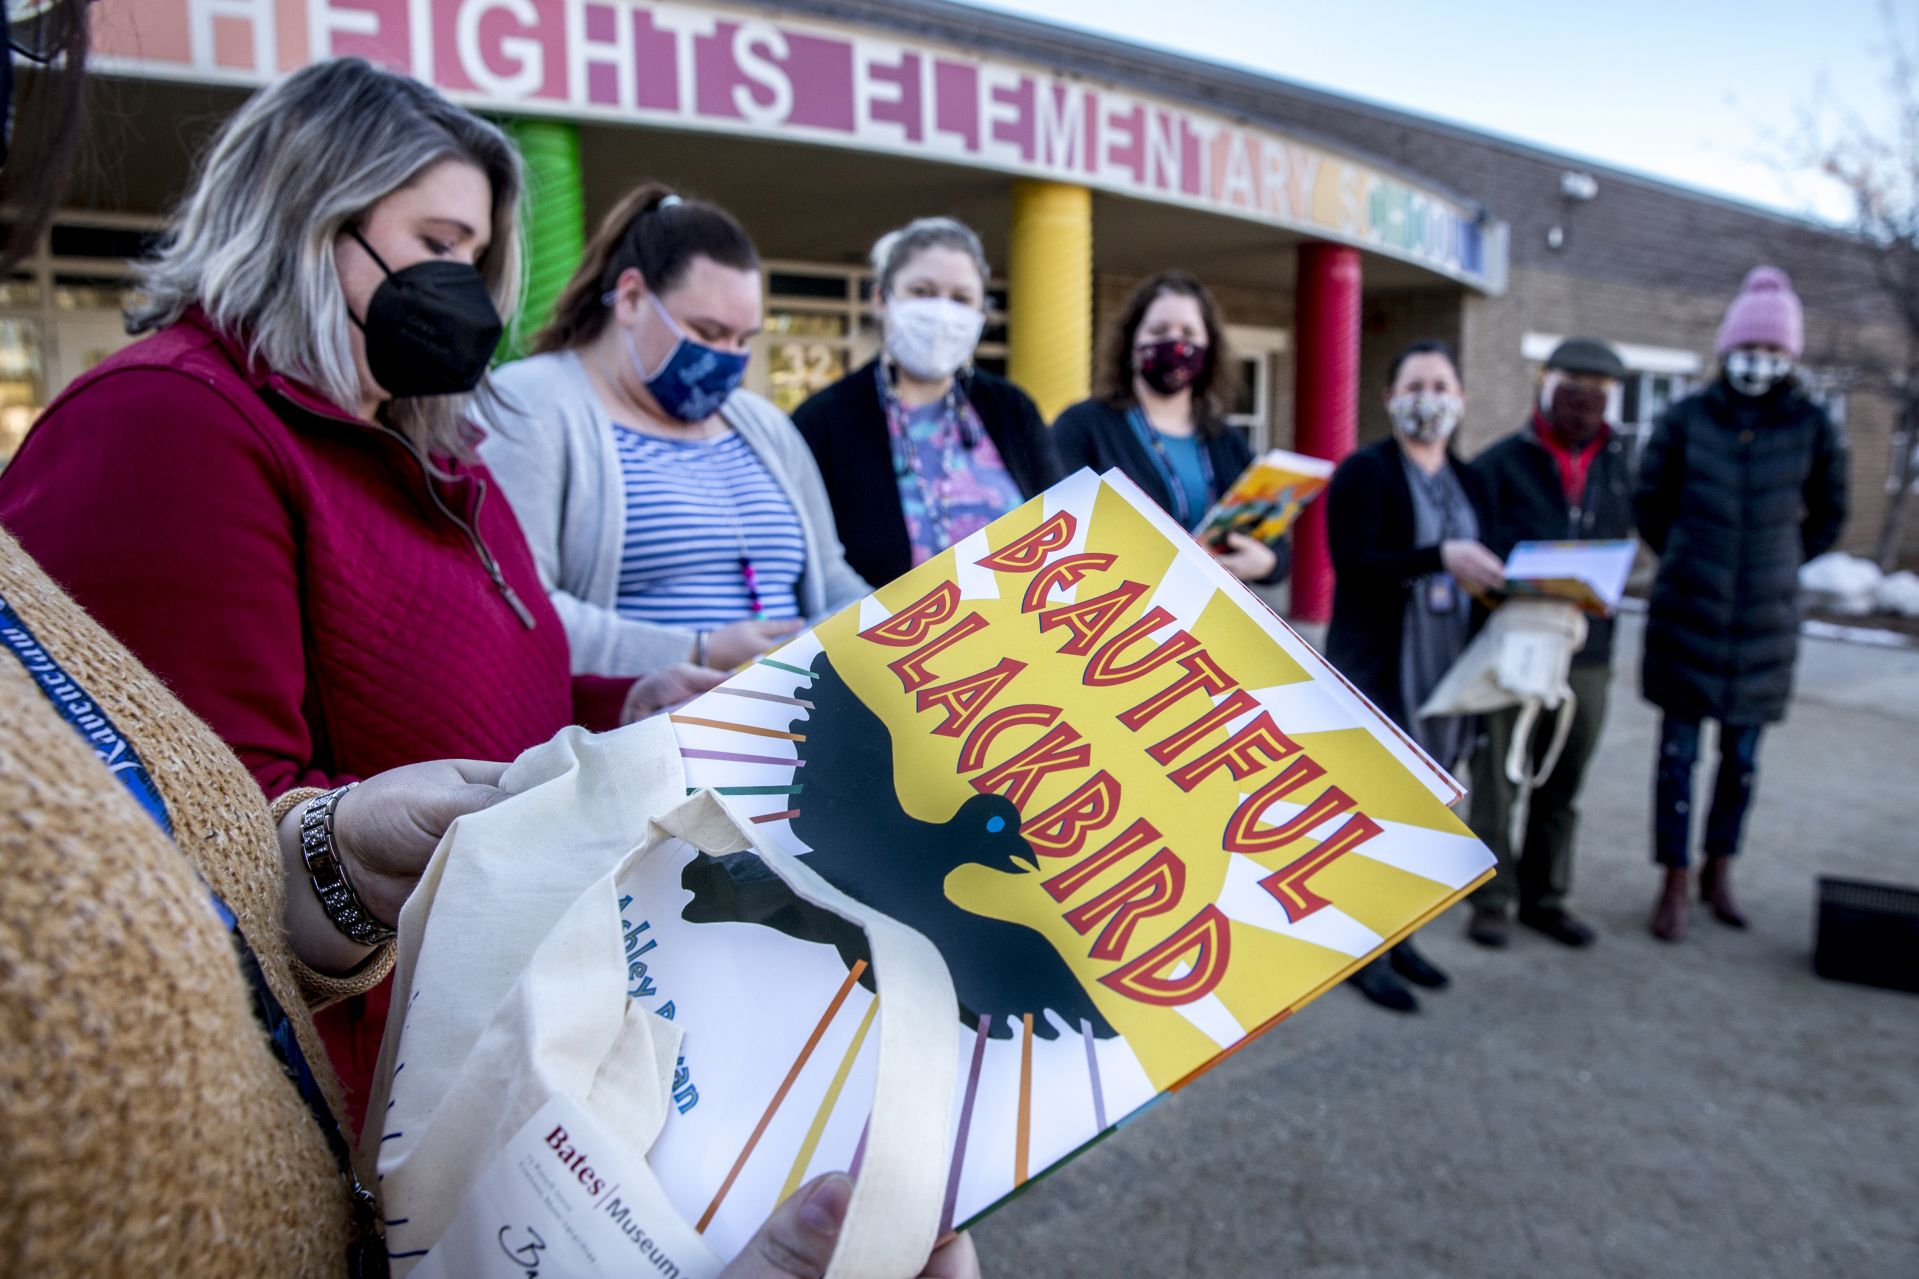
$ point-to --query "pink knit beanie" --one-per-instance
(1766, 311)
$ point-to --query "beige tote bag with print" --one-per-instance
(510, 991)
(1522, 657)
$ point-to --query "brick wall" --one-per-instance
(1643, 263)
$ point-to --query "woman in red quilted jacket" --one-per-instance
(272, 499)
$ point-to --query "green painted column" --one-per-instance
(555, 219)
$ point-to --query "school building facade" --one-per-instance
(1333, 231)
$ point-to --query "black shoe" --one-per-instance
(1558, 924)
(1377, 983)
(1416, 968)
(1490, 926)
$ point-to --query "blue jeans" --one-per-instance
(1672, 789)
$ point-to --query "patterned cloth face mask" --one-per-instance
(1169, 366)
(1756, 372)
(694, 379)
(1426, 417)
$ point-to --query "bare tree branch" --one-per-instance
(1878, 169)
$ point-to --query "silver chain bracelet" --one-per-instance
(330, 883)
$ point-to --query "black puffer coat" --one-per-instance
(1734, 494)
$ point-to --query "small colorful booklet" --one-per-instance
(1142, 820)
(1589, 574)
(1267, 497)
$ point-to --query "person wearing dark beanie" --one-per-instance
(1738, 486)
(1565, 475)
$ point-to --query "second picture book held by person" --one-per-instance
(1590, 574)
(1140, 818)
(1267, 497)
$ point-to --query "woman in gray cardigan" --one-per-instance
(671, 514)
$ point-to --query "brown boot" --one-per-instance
(1670, 911)
(1715, 889)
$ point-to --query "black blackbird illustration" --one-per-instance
(866, 845)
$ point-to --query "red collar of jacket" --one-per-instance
(261, 378)
(1573, 464)
(456, 478)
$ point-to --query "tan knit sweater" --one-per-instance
(145, 1125)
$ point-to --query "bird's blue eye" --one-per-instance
(994, 825)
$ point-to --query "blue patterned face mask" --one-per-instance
(694, 379)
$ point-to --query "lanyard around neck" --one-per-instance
(959, 427)
(1155, 446)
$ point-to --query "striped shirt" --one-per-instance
(689, 505)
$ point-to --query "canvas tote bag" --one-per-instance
(510, 990)
(1522, 657)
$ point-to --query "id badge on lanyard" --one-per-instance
(1441, 595)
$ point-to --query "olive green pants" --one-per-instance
(1539, 873)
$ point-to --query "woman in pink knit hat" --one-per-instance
(1738, 486)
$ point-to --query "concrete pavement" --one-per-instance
(1706, 1109)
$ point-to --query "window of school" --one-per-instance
(61, 311)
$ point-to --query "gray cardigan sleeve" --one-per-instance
(830, 583)
(543, 444)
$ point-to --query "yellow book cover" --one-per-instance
(1142, 820)
(1267, 497)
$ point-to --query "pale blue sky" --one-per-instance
(1687, 90)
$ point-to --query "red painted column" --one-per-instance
(1325, 401)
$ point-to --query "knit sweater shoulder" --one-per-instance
(145, 1125)
(550, 443)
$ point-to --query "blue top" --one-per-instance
(1184, 465)
(694, 510)
(1190, 472)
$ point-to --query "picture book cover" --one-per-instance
(1142, 820)
(1267, 497)
(1590, 574)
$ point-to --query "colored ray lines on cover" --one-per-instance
(734, 757)
(1092, 1073)
(779, 1096)
(827, 1103)
(739, 757)
(1023, 1134)
(965, 1125)
(758, 696)
(859, 1151)
(751, 729)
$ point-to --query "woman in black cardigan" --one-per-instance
(1403, 522)
(918, 449)
(1159, 415)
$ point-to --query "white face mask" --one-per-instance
(1756, 372)
(932, 338)
(1426, 417)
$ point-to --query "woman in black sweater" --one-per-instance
(1159, 415)
(918, 449)
(1403, 522)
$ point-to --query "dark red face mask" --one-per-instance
(1577, 413)
(1169, 367)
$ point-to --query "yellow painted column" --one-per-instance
(1049, 284)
